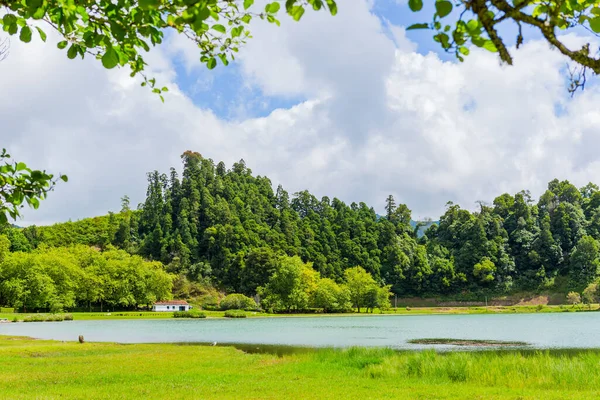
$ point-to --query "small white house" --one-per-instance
(171, 305)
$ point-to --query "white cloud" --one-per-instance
(379, 119)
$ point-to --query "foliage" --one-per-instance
(117, 33)
(359, 283)
(57, 278)
(237, 301)
(20, 184)
(235, 314)
(478, 22)
(189, 314)
(590, 294)
(45, 318)
(228, 229)
(573, 298)
(331, 297)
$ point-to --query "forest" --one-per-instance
(218, 229)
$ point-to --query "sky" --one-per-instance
(351, 106)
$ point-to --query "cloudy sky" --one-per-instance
(350, 106)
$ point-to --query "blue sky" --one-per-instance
(223, 90)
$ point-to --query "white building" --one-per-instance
(171, 305)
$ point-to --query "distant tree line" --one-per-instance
(230, 229)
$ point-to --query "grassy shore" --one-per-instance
(48, 369)
(397, 311)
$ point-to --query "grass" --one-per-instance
(396, 311)
(35, 369)
(235, 314)
(189, 314)
(467, 342)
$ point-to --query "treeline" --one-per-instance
(62, 278)
(228, 228)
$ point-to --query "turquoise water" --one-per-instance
(560, 330)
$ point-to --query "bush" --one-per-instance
(209, 302)
(189, 314)
(573, 298)
(7, 310)
(237, 301)
(68, 317)
(235, 314)
(43, 318)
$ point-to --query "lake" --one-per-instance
(558, 330)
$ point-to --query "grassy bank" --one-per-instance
(397, 311)
(47, 369)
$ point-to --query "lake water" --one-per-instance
(560, 330)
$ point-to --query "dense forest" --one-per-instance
(228, 229)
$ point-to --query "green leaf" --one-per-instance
(595, 24)
(9, 19)
(224, 59)
(489, 45)
(248, 4)
(297, 13)
(211, 63)
(62, 45)
(25, 35)
(472, 25)
(149, 4)
(443, 8)
(219, 28)
(272, 8)
(332, 7)
(418, 26)
(21, 166)
(72, 52)
(415, 5)
(464, 50)
(64, 178)
(42, 34)
(110, 59)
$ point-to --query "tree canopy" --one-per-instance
(117, 33)
(229, 228)
(456, 25)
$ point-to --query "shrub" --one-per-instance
(237, 301)
(189, 314)
(235, 314)
(7, 310)
(68, 317)
(209, 302)
(573, 298)
(54, 318)
(43, 318)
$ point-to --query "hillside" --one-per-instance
(228, 227)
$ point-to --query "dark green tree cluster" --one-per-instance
(58, 278)
(228, 228)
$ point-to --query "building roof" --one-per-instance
(171, 303)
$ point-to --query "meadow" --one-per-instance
(49, 369)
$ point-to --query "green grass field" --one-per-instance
(398, 311)
(35, 369)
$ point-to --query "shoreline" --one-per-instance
(128, 315)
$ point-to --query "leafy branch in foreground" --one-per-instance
(477, 22)
(116, 31)
(20, 184)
